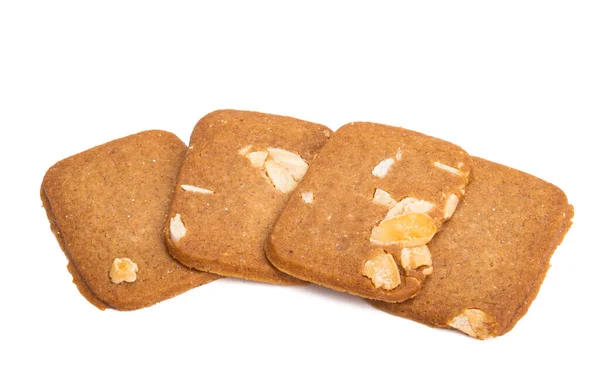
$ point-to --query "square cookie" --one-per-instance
(361, 218)
(237, 176)
(107, 207)
(492, 256)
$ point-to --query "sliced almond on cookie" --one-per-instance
(383, 271)
(407, 230)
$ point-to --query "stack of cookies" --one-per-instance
(410, 222)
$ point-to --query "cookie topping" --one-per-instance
(123, 270)
(398, 155)
(291, 161)
(383, 167)
(308, 197)
(284, 169)
(447, 168)
(383, 271)
(451, 205)
(475, 323)
(195, 189)
(410, 205)
(257, 158)
(177, 228)
(242, 151)
(415, 257)
(407, 230)
(281, 178)
(382, 197)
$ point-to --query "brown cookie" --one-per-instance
(492, 256)
(362, 216)
(236, 178)
(109, 203)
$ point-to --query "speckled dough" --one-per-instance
(492, 256)
(225, 205)
(111, 202)
(327, 240)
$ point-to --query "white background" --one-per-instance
(515, 82)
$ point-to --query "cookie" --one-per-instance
(107, 207)
(237, 176)
(492, 256)
(361, 218)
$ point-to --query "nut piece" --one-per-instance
(447, 168)
(415, 257)
(280, 176)
(308, 197)
(382, 197)
(383, 167)
(407, 230)
(475, 323)
(291, 161)
(398, 155)
(257, 158)
(410, 205)
(451, 205)
(244, 150)
(283, 168)
(177, 228)
(195, 189)
(123, 270)
(383, 271)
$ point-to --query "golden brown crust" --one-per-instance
(83, 288)
(110, 202)
(328, 241)
(226, 230)
(77, 280)
(493, 254)
(542, 269)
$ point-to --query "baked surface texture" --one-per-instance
(111, 202)
(366, 176)
(226, 199)
(491, 258)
